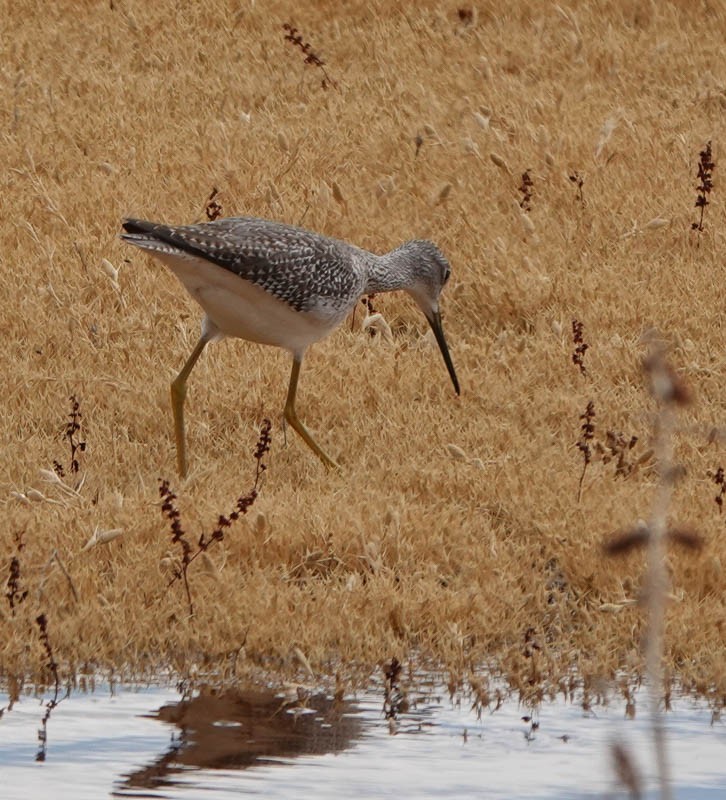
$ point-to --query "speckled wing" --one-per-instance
(301, 268)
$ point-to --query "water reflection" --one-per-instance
(234, 729)
(400, 738)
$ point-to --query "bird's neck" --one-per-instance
(387, 273)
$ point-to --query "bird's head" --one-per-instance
(429, 272)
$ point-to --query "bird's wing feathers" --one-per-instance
(297, 266)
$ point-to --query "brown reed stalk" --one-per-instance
(295, 38)
(73, 435)
(15, 594)
(394, 699)
(213, 208)
(579, 181)
(244, 502)
(178, 536)
(719, 478)
(527, 189)
(618, 449)
(706, 165)
(581, 346)
(52, 666)
(670, 392)
(626, 770)
(587, 433)
(242, 506)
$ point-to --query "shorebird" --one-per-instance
(276, 284)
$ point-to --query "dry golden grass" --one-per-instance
(453, 531)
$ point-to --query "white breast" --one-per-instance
(241, 309)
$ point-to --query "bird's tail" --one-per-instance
(137, 226)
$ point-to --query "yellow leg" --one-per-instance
(291, 417)
(178, 393)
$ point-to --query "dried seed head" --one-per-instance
(260, 523)
(110, 270)
(456, 452)
(102, 537)
(337, 194)
(481, 121)
(443, 194)
(499, 161)
(49, 476)
(300, 656)
(377, 323)
(527, 224)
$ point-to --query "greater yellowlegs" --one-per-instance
(284, 286)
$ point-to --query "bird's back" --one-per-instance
(305, 270)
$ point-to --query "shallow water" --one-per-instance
(145, 742)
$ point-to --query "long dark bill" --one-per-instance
(436, 327)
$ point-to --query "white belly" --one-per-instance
(241, 309)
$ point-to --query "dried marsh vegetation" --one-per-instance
(453, 531)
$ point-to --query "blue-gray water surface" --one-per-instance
(148, 742)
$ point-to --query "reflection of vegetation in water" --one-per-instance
(231, 729)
